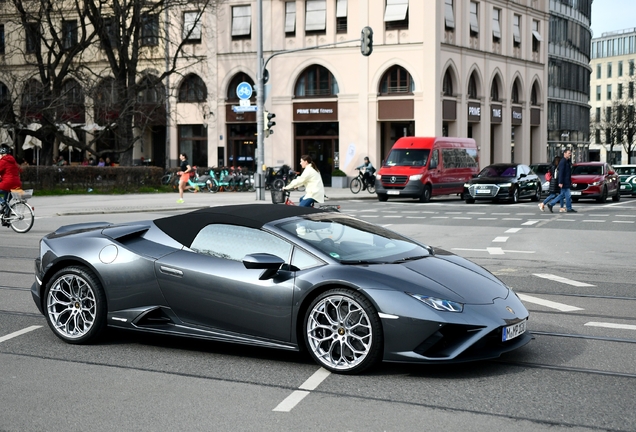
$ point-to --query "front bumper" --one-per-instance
(412, 189)
(488, 192)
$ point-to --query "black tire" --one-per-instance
(21, 217)
(603, 196)
(470, 200)
(166, 179)
(371, 189)
(75, 305)
(213, 186)
(382, 197)
(617, 197)
(337, 320)
(537, 196)
(278, 184)
(426, 194)
(515, 196)
(355, 185)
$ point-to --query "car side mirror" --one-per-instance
(612, 172)
(270, 264)
(522, 175)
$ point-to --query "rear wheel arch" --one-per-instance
(63, 263)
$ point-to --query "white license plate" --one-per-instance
(575, 193)
(392, 192)
(514, 330)
(483, 191)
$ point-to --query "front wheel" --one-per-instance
(603, 196)
(213, 186)
(278, 184)
(426, 194)
(382, 197)
(75, 305)
(343, 332)
(21, 217)
(515, 196)
(355, 185)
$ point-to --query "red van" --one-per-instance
(423, 167)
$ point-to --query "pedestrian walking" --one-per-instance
(184, 171)
(554, 189)
(564, 176)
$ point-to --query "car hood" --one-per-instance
(586, 178)
(448, 277)
(491, 180)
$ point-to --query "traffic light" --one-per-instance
(268, 124)
(366, 47)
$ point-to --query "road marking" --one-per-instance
(486, 218)
(298, 395)
(594, 220)
(500, 239)
(547, 303)
(18, 333)
(511, 218)
(416, 217)
(513, 230)
(461, 217)
(495, 251)
(439, 217)
(611, 325)
(629, 216)
(530, 222)
(623, 222)
(475, 213)
(562, 280)
(501, 214)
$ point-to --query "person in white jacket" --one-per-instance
(311, 179)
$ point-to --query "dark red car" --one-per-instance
(597, 180)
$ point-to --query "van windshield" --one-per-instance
(407, 157)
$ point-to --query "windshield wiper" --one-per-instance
(413, 258)
(358, 262)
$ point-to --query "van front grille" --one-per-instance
(394, 180)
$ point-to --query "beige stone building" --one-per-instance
(446, 67)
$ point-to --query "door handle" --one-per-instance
(171, 271)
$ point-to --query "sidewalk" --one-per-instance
(50, 206)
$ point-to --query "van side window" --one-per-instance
(434, 159)
(459, 158)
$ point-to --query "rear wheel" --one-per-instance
(617, 197)
(426, 194)
(75, 305)
(343, 332)
(355, 185)
(21, 217)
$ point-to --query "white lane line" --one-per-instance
(500, 239)
(611, 325)
(486, 218)
(513, 230)
(511, 219)
(623, 222)
(547, 303)
(562, 280)
(629, 216)
(298, 395)
(439, 217)
(530, 222)
(594, 220)
(461, 217)
(501, 214)
(416, 217)
(495, 251)
(18, 333)
(476, 213)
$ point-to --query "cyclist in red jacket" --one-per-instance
(9, 173)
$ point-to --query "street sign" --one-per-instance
(244, 102)
(244, 90)
(242, 109)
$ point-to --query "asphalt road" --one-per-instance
(574, 272)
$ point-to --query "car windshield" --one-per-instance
(352, 241)
(407, 157)
(499, 171)
(587, 170)
(625, 170)
(540, 168)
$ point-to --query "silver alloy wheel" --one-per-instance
(71, 306)
(339, 332)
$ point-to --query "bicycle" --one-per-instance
(357, 182)
(16, 213)
(283, 197)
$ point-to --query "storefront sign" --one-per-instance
(474, 112)
(535, 117)
(402, 109)
(315, 111)
(495, 114)
(517, 117)
(449, 110)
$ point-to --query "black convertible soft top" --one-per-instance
(185, 227)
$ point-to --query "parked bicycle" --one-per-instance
(357, 182)
(16, 212)
(204, 182)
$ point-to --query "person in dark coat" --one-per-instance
(564, 176)
(554, 190)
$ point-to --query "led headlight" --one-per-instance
(415, 177)
(466, 185)
(597, 183)
(439, 304)
(503, 185)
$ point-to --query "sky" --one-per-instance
(612, 15)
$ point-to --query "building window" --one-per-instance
(609, 70)
(290, 18)
(619, 91)
(474, 19)
(514, 97)
(536, 36)
(341, 16)
(396, 80)
(598, 136)
(241, 22)
(72, 107)
(32, 38)
(608, 114)
(598, 92)
(193, 89)
(620, 68)
(472, 87)
(598, 115)
(449, 15)
(630, 90)
(396, 14)
(609, 92)
(316, 81)
(150, 30)
(631, 68)
(315, 16)
(516, 31)
(447, 84)
(598, 71)
(192, 27)
(69, 34)
(496, 28)
(1, 39)
(110, 27)
(494, 92)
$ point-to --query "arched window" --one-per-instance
(106, 101)
(72, 102)
(193, 89)
(534, 95)
(151, 91)
(6, 105)
(396, 80)
(316, 81)
(34, 99)
(514, 97)
(447, 84)
(494, 91)
(472, 87)
(239, 78)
